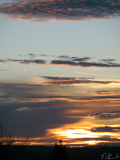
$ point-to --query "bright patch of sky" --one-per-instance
(96, 38)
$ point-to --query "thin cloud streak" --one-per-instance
(25, 61)
(73, 80)
(4, 70)
(108, 115)
(84, 64)
(105, 129)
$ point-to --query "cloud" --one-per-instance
(68, 98)
(36, 117)
(101, 141)
(32, 55)
(108, 92)
(22, 109)
(61, 9)
(4, 69)
(107, 138)
(26, 61)
(44, 55)
(21, 55)
(83, 64)
(105, 129)
(43, 95)
(56, 89)
(107, 60)
(2, 60)
(69, 61)
(108, 115)
(63, 56)
(41, 108)
(81, 59)
(73, 80)
(75, 58)
(37, 61)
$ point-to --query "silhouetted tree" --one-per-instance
(59, 152)
(8, 148)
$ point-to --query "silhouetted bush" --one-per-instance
(59, 152)
(8, 147)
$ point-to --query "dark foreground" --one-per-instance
(87, 153)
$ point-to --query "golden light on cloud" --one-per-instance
(75, 135)
(90, 142)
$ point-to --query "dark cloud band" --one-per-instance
(62, 9)
(75, 62)
(84, 64)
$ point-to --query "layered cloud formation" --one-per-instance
(65, 60)
(41, 10)
(62, 107)
(51, 96)
(74, 80)
(61, 110)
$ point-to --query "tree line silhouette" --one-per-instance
(59, 152)
(9, 148)
(8, 145)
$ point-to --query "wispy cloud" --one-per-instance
(108, 92)
(66, 60)
(107, 60)
(32, 55)
(74, 58)
(73, 80)
(53, 92)
(23, 109)
(41, 10)
(109, 115)
(4, 69)
(25, 61)
(44, 55)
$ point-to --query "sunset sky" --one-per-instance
(60, 70)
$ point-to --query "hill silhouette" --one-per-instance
(85, 153)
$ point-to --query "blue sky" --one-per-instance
(60, 68)
(56, 38)
(83, 39)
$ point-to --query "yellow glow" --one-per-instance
(73, 133)
(91, 142)
(77, 135)
(80, 133)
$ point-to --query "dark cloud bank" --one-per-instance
(62, 9)
(33, 118)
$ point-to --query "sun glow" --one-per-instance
(91, 142)
(84, 135)
(73, 133)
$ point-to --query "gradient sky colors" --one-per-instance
(60, 70)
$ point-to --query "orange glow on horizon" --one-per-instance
(74, 136)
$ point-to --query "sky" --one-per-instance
(60, 71)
